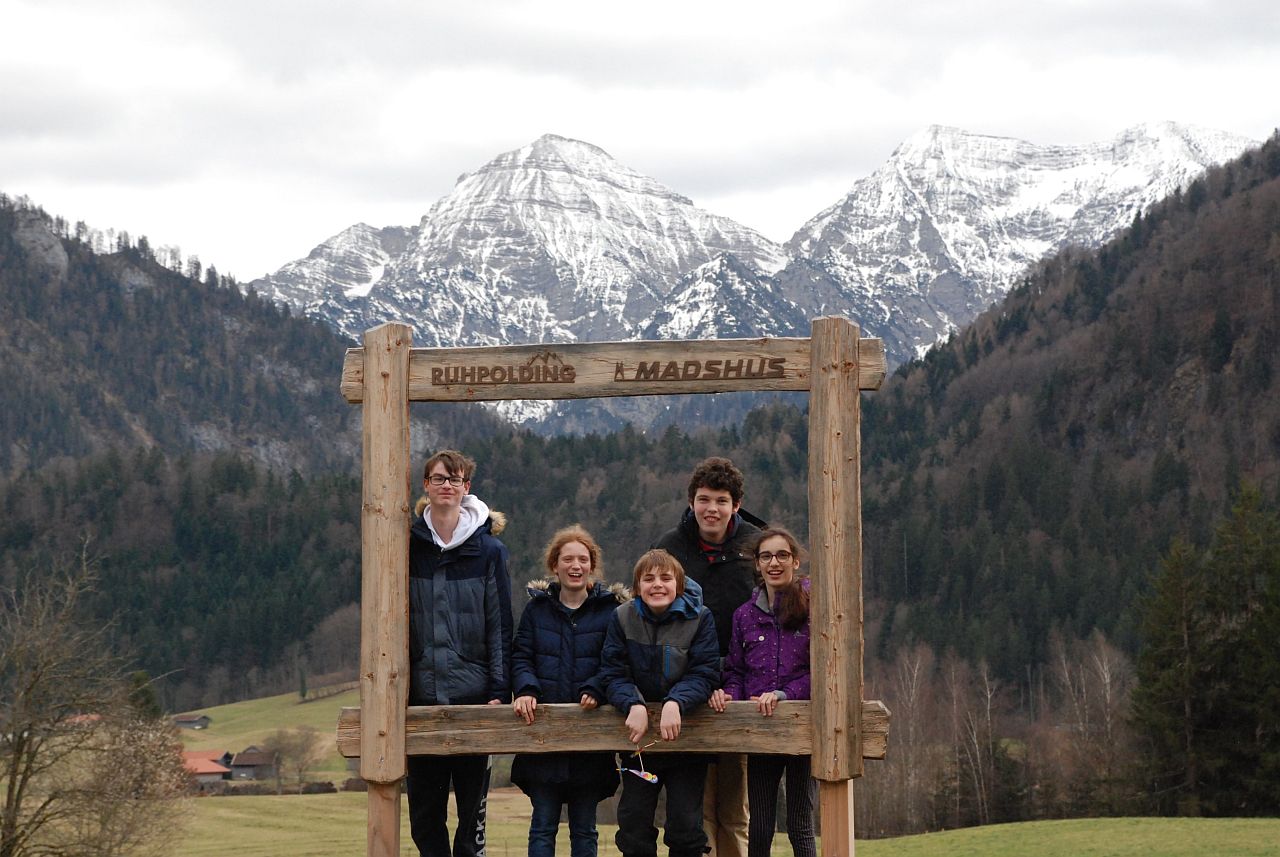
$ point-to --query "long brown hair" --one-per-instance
(792, 607)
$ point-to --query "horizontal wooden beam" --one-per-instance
(583, 370)
(448, 730)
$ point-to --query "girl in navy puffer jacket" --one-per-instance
(556, 658)
(768, 662)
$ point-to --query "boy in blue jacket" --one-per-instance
(661, 647)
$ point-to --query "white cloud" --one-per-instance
(248, 132)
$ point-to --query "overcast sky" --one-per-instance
(248, 131)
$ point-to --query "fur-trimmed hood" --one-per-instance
(497, 520)
(549, 587)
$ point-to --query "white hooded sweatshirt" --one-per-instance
(471, 514)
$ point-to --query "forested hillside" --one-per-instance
(1022, 483)
(1028, 474)
(193, 434)
(234, 580)
(118, 350)
(101, 351)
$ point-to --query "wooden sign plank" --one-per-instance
(584, 370)
(447, 730)
(835, 548)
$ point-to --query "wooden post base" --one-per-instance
(835, 801)
(384, 820)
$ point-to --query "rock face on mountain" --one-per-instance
(334, 281)
(558, 242)
(555, 241)
(953, 220)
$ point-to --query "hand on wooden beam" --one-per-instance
(446, 730)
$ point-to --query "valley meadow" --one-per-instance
(334, 826)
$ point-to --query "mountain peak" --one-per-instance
(565, 146)
(559, 163)
(1202, 146)
(954, 218)
(936, 138)
(557, 241)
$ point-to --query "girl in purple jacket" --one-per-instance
(768, 662)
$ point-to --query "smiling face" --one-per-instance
(573, 567)
(659, 586)
(713, 510)
(445, 495)
(777, 562)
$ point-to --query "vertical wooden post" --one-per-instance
(835, 808)
(835, 539)
(384, 590)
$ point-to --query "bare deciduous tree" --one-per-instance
(297, 752)
(1087, 733)
(82, 772)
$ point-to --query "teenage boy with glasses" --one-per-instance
(713, 544)
(459, 644)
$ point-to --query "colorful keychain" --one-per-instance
(642, 773)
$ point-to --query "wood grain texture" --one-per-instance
(384, 587)
(835, 807)
(606, 369)
(835, 548)
(384, 820)
(447, 730)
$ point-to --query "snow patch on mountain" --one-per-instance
(558, 242)
(953, 219)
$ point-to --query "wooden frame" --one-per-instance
(837, 727)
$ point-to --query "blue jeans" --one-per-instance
(543, 826)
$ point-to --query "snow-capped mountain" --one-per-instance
(952, 221)
(723, 299)
(334, 281)
(557, 241)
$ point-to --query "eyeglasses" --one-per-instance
(781, 556)
(437, 480)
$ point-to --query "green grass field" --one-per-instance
(334, 826)
(1093, 837)
(237, 725)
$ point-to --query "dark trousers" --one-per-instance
(763, 773)
(683, 777)
(427, 784)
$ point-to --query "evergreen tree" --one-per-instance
(1167, 704)
(1206, 705)
(1242, 603)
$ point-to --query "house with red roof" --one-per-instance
(208, 768)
